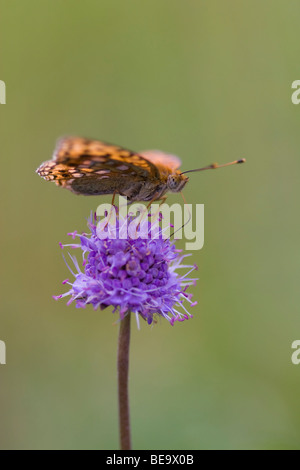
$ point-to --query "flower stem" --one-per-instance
(123, 366)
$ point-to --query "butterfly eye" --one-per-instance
(173, 182)
(176, 183)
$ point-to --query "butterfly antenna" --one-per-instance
(214, 166)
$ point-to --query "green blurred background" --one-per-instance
(208, 81)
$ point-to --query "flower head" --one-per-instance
(135, 274)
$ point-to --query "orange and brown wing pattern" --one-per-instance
(166, 163)
(76, 157)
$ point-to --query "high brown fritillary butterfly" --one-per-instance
(92, 168)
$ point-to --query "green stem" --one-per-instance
(123, 367)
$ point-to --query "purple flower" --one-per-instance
(131, 274)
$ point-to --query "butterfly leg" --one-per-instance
(112, 208)
(155, 198)
(114, 197)
(162, 200)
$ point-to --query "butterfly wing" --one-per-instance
(75, 157)
(93, 167)
(162, 160)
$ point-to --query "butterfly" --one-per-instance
(92, 168)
